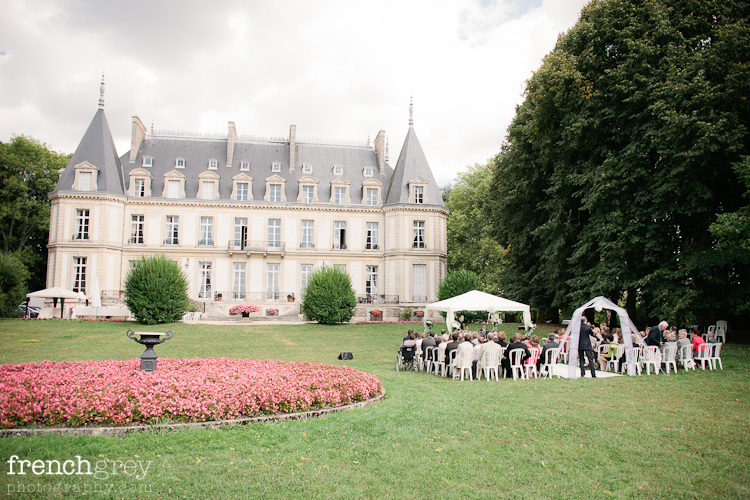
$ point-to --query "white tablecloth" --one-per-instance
(101, 312)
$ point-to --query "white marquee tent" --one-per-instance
(479, 301)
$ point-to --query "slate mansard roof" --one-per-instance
(97, 147)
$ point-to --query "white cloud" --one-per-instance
(337, 69)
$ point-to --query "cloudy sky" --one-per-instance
(336, 69)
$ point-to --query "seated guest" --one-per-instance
(533, 342)
(429, 341)
(711, 337)
(465, 346)
(442, 343)
(473, 337)
(485, 350)
(683, 341)
(410, 341)
(408, 332)
(452, 346)
(483, 330)
(606, 354)
(698, 344)
(514, 345)
(550, 344)
(500, 339)
(671, 341)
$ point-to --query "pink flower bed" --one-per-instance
(181, 390)
(388, 322)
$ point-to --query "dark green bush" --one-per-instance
(156, 290)
(13, 275)
(329, 297)
(458, 282)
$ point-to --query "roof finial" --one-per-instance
(152, 126)
(387, 149)
(101, 93)
(411, 111)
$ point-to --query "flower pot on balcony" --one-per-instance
(245, 315)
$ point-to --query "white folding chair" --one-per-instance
(686, 357)
(463, 364)
(702, 356)
(489, 361)
(564, 348)
(428, 353)
(651, 357)
(448, 368)
(531, 362)
(721, 331)
(550, 361)
(714, 354)
(438, 364)
(670, 357)
(636, 354)
(516, 364)
(617, 351)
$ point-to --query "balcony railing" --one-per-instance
(253, 297)
(113, 295)
(257, 246)
(366, 298)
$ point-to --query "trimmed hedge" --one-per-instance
(329, 297)
(156, 290)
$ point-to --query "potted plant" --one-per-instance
(271, 311)
(244, 309)
(218, 297)
(290, 297)
(376, 315)
(419, 314)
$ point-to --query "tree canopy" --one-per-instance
(620, 158)
(28, 172)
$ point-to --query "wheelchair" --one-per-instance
(407, 359)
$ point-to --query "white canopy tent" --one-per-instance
(479, 301)
(574, 332)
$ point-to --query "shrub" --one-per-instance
(156, 290)
(329, 297)
(458, 282)
(13, 276)
(405, 313)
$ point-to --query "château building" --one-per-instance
(249, 218)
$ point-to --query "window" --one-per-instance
(338, 170)
(367, 172)
(339, 196)
(274, 233)
(82, 224)
(339, 235)
(136, 229)
(148, 161)
(307, 239)
(371, 280)
(276, 167)
(139, 188)
(340, 267)
(272, 282)
(208, 190)
(79, 274)
(206, 232)
(84, 183)
(179, 163)
(204, 281)
(240, 233)
(372, 197)
(418, 234)
(242, 189)
(172, 230)
(419, 283)
(173, 189)
(308, 194)
(239, 280)
(305, 270)
(419, 194)
(245, 166)
(371, 243)
(306, 168)
(275, 193)
(213, 164)
(371, 192)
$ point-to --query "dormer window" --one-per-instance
(245, 166)
(179, 163)
(275, 189)
(308, 189)
(213, 164)
(276, 167)
(174, 185)
(367, 172)
(418, 191)
(307, 169)
(371, 189)
(208, 186)
(338, 170)
(140, 183)
(85, 177)
(340, 192)
(148, 161)
(242, 187)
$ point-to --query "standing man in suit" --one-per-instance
(584, 347)
(655, 334)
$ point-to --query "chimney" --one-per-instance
(231, 136)
(380, 150)
(137, 136)
(292, 147)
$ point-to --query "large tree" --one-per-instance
(621, 156)
(471, 244)
(28, 171)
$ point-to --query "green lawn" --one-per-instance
(686, 435)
